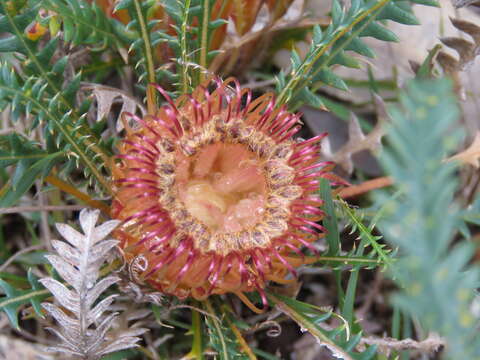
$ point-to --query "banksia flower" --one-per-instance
(215, 195)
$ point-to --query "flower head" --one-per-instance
(216, 195)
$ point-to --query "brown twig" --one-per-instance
(62, 185)
(385, 345)
(365, 187)
(19, 253)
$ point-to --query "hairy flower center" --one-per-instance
(224, 187)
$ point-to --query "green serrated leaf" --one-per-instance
(15, 298)
(360, 47)
(309, 318)
(397, 14)
(432, 260)
(379, 32)
(327, 77)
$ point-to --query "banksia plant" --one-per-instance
(216, 219)
(216, 194)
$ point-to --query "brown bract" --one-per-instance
(216, 195)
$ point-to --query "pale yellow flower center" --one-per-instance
(224, 187)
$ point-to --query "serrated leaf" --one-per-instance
(15, 298)
(327, 77)
(25, 176)
(360, 47)
(309, 318)
(431, 259)
(397, 14)
(79, 265)
(379, 32)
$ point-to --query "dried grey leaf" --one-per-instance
(65, 270)
(138, 314)
(88, 219)
(98, 335)
(103, 230)
(462, 3)
(63, 319)
(99, 288)
(124, 341)
(68, 252)
(63, 349)
(69, 336)
(70, 234)
(64, 296)
(468, 28)
(107, 96)
(354, 129)
(100, 308)
(358, 141)
(100, 250)
(465, 49)
(87, 333)
(68, 342)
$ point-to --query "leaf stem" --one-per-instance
(209, 307)
(183, 43)
(368, 236)
(306, 66)
(307, 325)
(151, 97)
(241, 341)
(197, 345)
(62, 185)
(204, 39)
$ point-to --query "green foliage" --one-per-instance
(192, 45)
(144, 39)
(185, 43)
(15, 298)
(41, 93)
(329, 47)
(221, 336)
(31, 162)
(437, 284)
(379, 254)
(340, 341)
(86, 24)
(366, 234)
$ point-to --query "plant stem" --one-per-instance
(299, 75)
(151, 98)
(197, 345)
(183, 44)
(365, 187)
(241, 341)
(208, 306)
(62, 185)
(204, 40)
(307, 325)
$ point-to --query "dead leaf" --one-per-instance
(107, 96)
(471, 155)
(357, 140)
